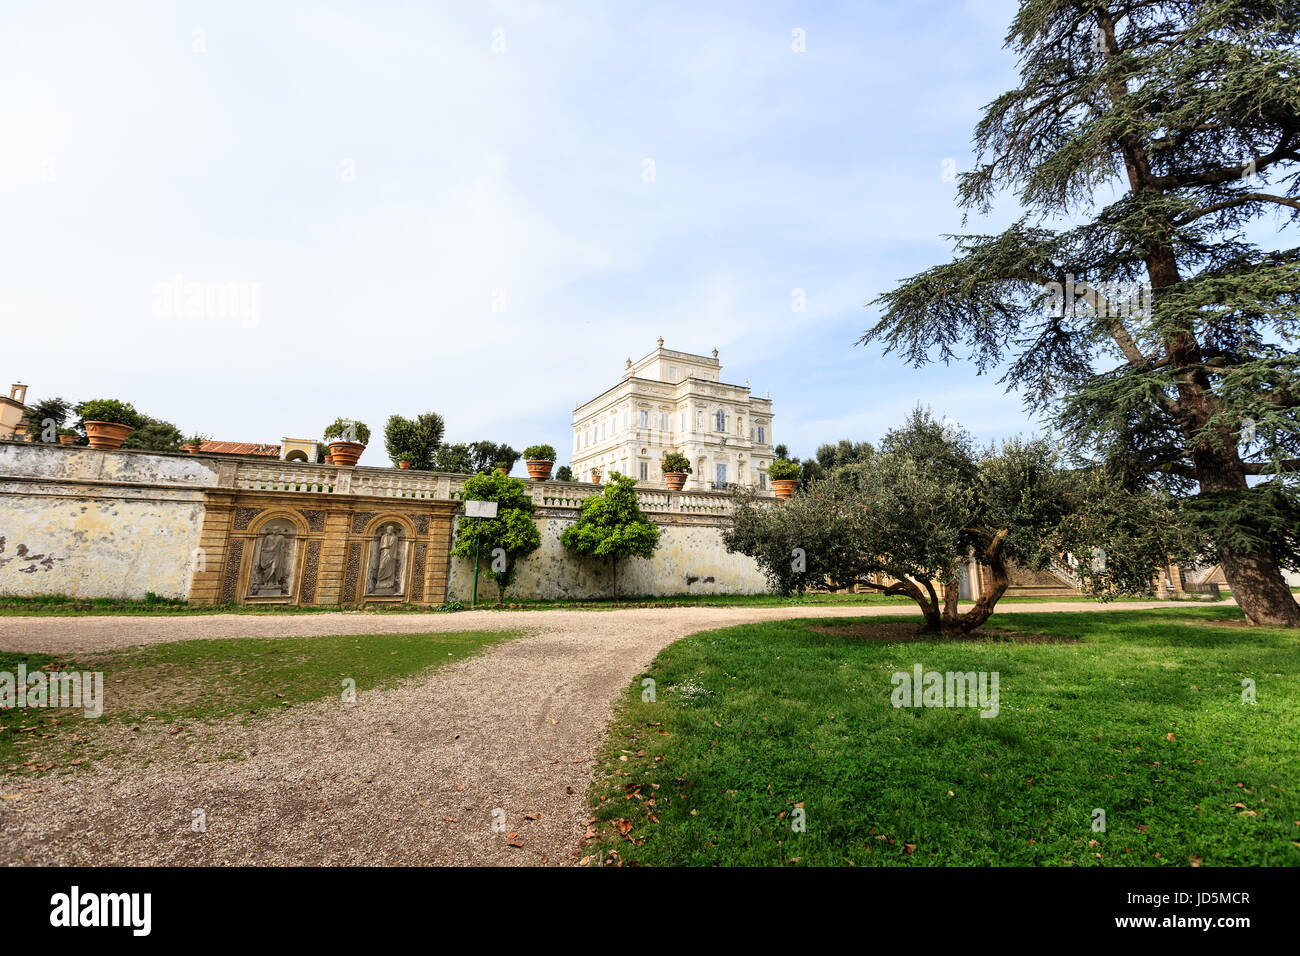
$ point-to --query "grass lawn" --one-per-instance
(1137, 713)
(53, 605)
(62, 604)
(213, 679)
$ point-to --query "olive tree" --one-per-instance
(907, 519)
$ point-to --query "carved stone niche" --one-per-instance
(387, 563)
(275, 558)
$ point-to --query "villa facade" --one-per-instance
(675, 401)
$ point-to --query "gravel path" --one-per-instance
(407, 775)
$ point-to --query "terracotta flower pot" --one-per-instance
(193, 449)
(784, 487)
(346, 453)
(107, 435)
(539, 469)
(329, 459)
(595, 478)
(67, 439)
(403, 465)
(675, 480)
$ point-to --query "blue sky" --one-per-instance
(385, 176)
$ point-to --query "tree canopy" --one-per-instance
(512, 530)
(1145, 138)
(154, 434)
(414, 440)
(611, 525)
(909, 518)
(46, 416)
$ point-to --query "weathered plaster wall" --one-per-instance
(691, 559)
(94, 524)
(121, 524)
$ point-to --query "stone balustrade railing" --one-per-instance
(389, 483)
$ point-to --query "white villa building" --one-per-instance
(675, 401)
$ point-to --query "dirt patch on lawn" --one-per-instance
(908, 632)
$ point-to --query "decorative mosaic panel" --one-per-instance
(245, 515)
(230, 582)
(352, 573)
(310, 570)
(422, 524)
(315, 519)
(360, 519)
(417, 572)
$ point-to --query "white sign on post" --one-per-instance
(480, 509)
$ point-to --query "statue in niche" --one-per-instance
(273, 562)
(386, 574)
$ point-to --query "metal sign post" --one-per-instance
(478, 510)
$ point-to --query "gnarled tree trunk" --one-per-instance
(992, 588)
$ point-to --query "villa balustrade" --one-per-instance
(285, 476)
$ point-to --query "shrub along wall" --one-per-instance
(690, 559)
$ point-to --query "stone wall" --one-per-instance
(90, 524)
(691, 559)
(121, 524)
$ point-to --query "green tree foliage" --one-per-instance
(107, 410)
(1144, 141)
(563, 473)
(486, 455)
(830, 457)
(675, 462)
(907, 519)
(416, 440)
(474, 457)
(154, 434)
(611, 525)
(782, 469)
(399, 438)
(539, 453)
(348, 429)
(513, 529)
(38, 414)
(453, 458)
(843, 453)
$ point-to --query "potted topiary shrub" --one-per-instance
(539, 460)
(595, 476)
(194, 443)
(402, 439)
(675, 467)
(347, 440)
(785, 476)
(107, 421)
(67, 436)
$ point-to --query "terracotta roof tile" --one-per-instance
(239, 448)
